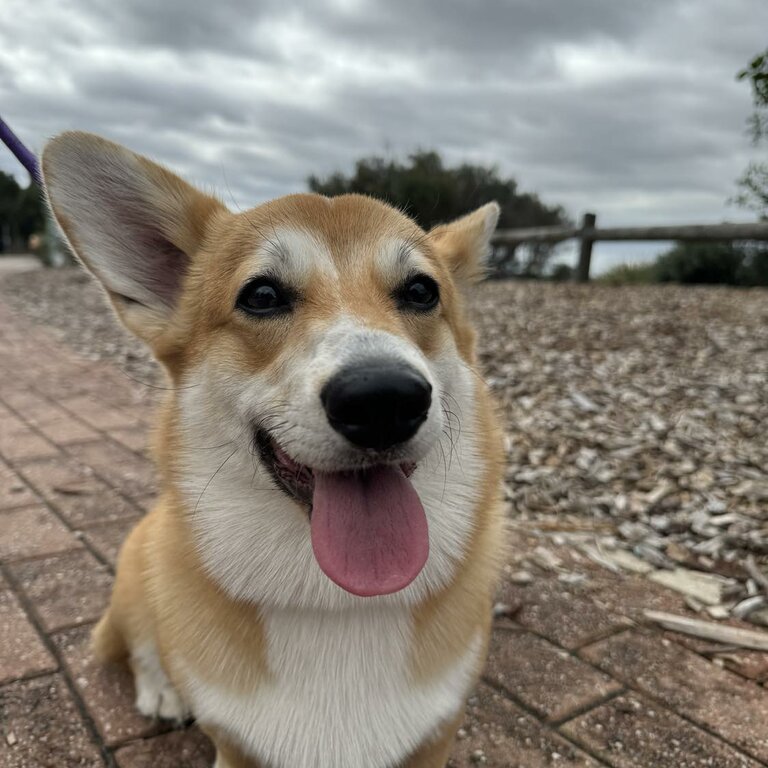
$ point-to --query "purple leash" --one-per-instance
(22, 154)
(55, 255)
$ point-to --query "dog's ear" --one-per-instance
(465, 243)
(132, 223)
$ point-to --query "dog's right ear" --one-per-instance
(465, 243)
(131, 222)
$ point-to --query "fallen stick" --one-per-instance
(720, 633)
(760, 578)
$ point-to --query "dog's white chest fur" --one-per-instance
(341, 695)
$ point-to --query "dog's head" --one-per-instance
(324, 398)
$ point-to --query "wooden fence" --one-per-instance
(588, 233)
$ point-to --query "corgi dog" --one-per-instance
(314, 585)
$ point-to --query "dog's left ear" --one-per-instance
(465, 243)
(135, 225)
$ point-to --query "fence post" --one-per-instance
(585, 252)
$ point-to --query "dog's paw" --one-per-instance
(162, 701)
(155, 694)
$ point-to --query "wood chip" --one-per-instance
(72, 489)
(707, 588)
(760, 578)
(626, 561)
(707, 630)
(596, 556)
(546, 559)
(583, 403)
(718, 611)
(521, 578)
(759, 617)
(745, 607)
(660, 492)
(652, 555)
(505, 611)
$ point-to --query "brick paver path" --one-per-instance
(573, 678)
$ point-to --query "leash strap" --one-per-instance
(22, 154)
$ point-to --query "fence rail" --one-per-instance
(588, 234)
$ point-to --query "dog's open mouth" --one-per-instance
(368, 526)
(293, 478)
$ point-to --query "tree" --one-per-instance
(744, 264)
(753, 184)
(700, 263)
(432, 193)
(21, 212)
(713, 263)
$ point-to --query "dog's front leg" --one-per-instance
(227, 755)
(225, 759)
(222, 762)
(436, 752)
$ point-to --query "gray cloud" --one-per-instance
(629, 109)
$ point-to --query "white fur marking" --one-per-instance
(341, 696)
(295, 254)
(155, 695)
(398, 257)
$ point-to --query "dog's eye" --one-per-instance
(419, 293)
(264, 297)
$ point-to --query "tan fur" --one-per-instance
(447, 621)
(158, 594)
(162, 593)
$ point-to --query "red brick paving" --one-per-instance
(571, 680)
(106, 690)
(50, 419)
(75, 492)
(556, 685)
(178, 749)
(505, 736)
(14, 492)
(22, 652)
(31, 532)
(98, 414)
(725, 703)
(41, 727)
(106, 538)
(566, 618)
(129, 473)
(133, 439)
(633, 732)
(18, 440)
(750, 664)
(66, 589)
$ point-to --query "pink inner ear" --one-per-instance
(152, 263)
(163, 272)
(135, 225)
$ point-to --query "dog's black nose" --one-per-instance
(378, 404)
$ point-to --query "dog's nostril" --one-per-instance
(377, 405)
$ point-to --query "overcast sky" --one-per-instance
(629, 108)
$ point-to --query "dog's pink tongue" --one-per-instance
(369, 530)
